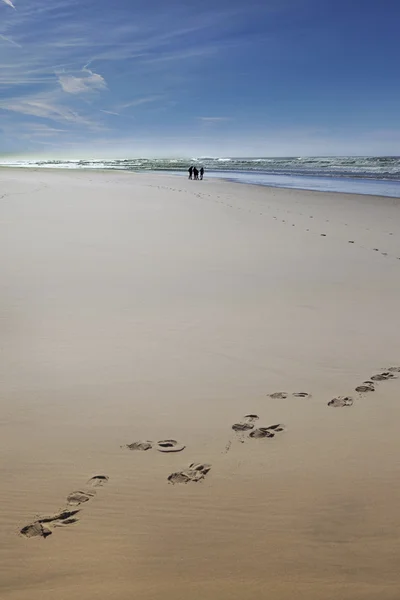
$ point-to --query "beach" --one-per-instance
(140, 307)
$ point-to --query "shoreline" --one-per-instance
(221, 177)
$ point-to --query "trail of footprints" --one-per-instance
(245, 429)
(366, 387)
(255, 211)
(43, 526)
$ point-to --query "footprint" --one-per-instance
(351, 241)
(61, 516)
(376, 249)
(394, 369)
(227, 447)
(195, 472)
(323, 234)
(341, 401)
(246, 423)
(262, 432)
(251, 418)
(278, 395)
(169, 446)
(143, 446)
(383, 376)
(367, 386)
(35, 530)
(98, 480)
(267, 432)
(242, 426)
(60, 519)
(301, 395)
(79, 497)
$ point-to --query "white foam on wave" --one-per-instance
(386, 168)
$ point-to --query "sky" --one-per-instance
(126, 78)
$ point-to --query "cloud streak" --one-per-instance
(9, 3)
(46, 107)
(9, 40)
(214, 119)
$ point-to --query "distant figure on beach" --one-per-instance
(195, 172)
(201, 172)
(190, 169)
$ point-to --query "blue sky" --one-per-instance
(119, 78)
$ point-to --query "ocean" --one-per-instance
(378, 175)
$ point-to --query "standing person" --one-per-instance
(201, 172)
(190, 169)
(195, 172)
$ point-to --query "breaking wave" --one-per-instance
(367, 167)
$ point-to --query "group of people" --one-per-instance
(195, 173)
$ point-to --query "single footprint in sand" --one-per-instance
(267, 432)
(341, 401)
(367, 386)
(278, 395)
(351, 241)
(383, 376)
(323, 234)
(98, 480)
(301, 395)
(195, 472)
(227, 447)
(142, 446)
(169, 446)
(79, 497)
(60, 519)
(393, 369)
(161, 446)
(246, 423)
(35, 530)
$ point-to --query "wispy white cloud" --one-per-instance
(9, 40)
(33, 131)
(9, 3)
(214, 119)
(46, 107)
(110, 112)
(139, 101)
(88, 81)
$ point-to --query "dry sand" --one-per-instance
(140, 307)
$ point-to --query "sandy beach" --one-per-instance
(148, 307)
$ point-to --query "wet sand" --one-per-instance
(148, 307)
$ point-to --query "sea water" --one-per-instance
(377, 175)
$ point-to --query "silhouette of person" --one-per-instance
(195, 172)
(201, 172)
(190, 169)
